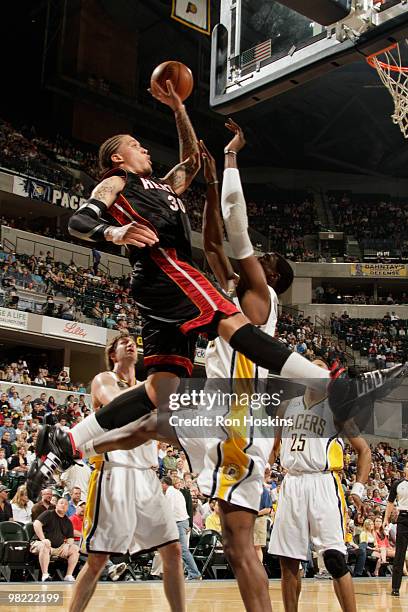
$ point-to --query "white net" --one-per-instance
(394, 76)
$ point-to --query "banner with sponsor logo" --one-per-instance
(16, 319)
(38, 190)
(193, 13)
(81, 332)
(380, 270)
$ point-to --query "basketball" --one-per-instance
(176, 72)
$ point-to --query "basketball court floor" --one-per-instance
(208, 596)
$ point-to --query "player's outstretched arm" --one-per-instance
(252, 289)
(213, 233)
(189, 150)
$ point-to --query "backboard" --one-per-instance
(262, 48)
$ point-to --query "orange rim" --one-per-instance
(371, 60)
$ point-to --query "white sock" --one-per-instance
(297, 366)
(88, 450)
(86, 430)
(44, 576)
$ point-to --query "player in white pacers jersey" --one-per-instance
(126, 510)
(311, 503)
(234, 462)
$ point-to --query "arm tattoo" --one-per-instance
(107, 190)
(182, 174)
(187, 136)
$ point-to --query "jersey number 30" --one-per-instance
(176, 204)
(298, 442)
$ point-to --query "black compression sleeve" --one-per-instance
(86, 223)
(125, 408)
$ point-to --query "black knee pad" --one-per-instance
(260, 348)
(125, 408)
(335, 563)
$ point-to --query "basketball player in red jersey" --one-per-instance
(177, 302)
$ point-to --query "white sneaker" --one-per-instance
(115, 571)
(45, 577)
(69, 578)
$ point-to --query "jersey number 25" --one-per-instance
(298, 442)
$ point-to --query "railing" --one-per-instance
(324, 327)
(294, 311)
(8, 246)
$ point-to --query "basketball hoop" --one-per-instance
(394, 75)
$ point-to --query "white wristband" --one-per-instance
(358, 489)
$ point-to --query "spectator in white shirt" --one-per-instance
(208, 508)
(21, 506)
(15, 402)
(77, 476)
(62, 423)
(162, 449)
(40, 380)
(20, 428)
(180, 514)
(3, 463)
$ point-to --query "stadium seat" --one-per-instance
(207, 554)
(14, 551)
(29, 531)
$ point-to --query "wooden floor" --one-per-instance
(211, 596)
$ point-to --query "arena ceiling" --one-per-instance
(340, 122)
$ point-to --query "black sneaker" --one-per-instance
(39, 474)
(352, 397)
(57, 441)
(54, 453)
(394, 593)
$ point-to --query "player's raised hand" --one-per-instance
(209, 167)
(169, 97)
(238, 142)
(135, 234)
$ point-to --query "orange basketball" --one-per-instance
(176, 72)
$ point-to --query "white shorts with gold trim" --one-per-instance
(126, 511)
(311, 508)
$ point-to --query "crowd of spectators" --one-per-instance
(107, 302)
(19, 424)
(325, 293)
(379, 223)
(23, 154)
(383, 341)
(22, 372)
(84, 292)
(282, 222)
(300, 336)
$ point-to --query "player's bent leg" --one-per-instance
(61, 448)
(238, 543)
(291, 583)
(86, 581)
(173, 576)
(265, 350)
(125, 438)
(336, 565)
